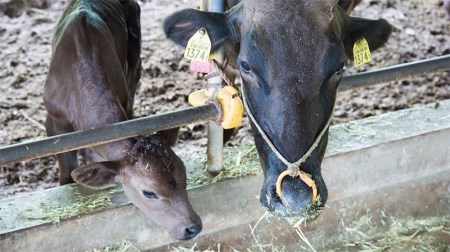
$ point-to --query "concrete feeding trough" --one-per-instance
(380, 171)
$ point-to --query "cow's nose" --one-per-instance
(274, 200)
(191, 232)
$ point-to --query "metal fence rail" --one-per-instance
(147, 125)
(396, 72)
(110, 133)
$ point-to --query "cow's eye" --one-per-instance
(341, 68)
(150, 195)
(245, 67)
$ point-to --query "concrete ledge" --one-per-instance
(424, 198)
(364, 156)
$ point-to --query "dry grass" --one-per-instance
(81, 205)
(123, 246)
(426, 234)
(367, 235)
(238, 162)
(195, 249)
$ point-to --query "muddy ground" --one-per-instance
(422, 30)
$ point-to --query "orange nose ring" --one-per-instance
(305, 177)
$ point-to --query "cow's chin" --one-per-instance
(296, 199)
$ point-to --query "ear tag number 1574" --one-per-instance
(361, 52)
(199, 46)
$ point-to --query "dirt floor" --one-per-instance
(422, 30)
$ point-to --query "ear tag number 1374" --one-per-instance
(199, 46)
(361, 52)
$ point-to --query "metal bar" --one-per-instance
(215, 148)
(396, 72)
(216, 5)
(110, 133)
(215, 132)
(82, 139)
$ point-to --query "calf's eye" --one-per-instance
(245, 67)
(150, 195)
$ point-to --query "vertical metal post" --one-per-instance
(216, 5)
(215, 132)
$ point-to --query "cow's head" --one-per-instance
(291, 57)
(154, 179)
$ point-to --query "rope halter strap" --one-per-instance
(293, 169)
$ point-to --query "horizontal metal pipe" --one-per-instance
(147, 125)
(395, 73)
(110, 133)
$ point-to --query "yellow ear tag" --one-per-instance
(361, 52)
(199, 46)
(232, 107)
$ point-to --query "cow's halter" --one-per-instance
(293, 168)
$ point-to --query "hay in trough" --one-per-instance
(123, 246)
(237, 162)
(366, 234)
(194, 249)
(81, 205)
(407, 234)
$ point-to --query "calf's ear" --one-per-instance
(376, 32)
(99, 175)
(182, 25)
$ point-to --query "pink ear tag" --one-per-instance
(200, 66)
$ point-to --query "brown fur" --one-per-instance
(93, 76)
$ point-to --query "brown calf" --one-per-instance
(91, 82)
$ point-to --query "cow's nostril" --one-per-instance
(193, 231)
(274, 195)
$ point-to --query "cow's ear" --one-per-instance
(376, 32)
(182, 25)
(99, 175)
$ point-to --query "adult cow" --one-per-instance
(291, 56)
(91, 82)
(347, 5)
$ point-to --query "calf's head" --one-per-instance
(290, 56)
(154, 179)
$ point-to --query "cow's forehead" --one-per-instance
(288, 31)
(276, 13)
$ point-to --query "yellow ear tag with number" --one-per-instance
(361, 52)
(199, 46)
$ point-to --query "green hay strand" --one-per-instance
(80, 206)
(123, 246)
(238, 162)
(402, 235)
(194, 249)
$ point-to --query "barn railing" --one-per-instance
(397, 72)
(147, 125)
(102, 135)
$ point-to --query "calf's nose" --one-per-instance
(191, 232)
